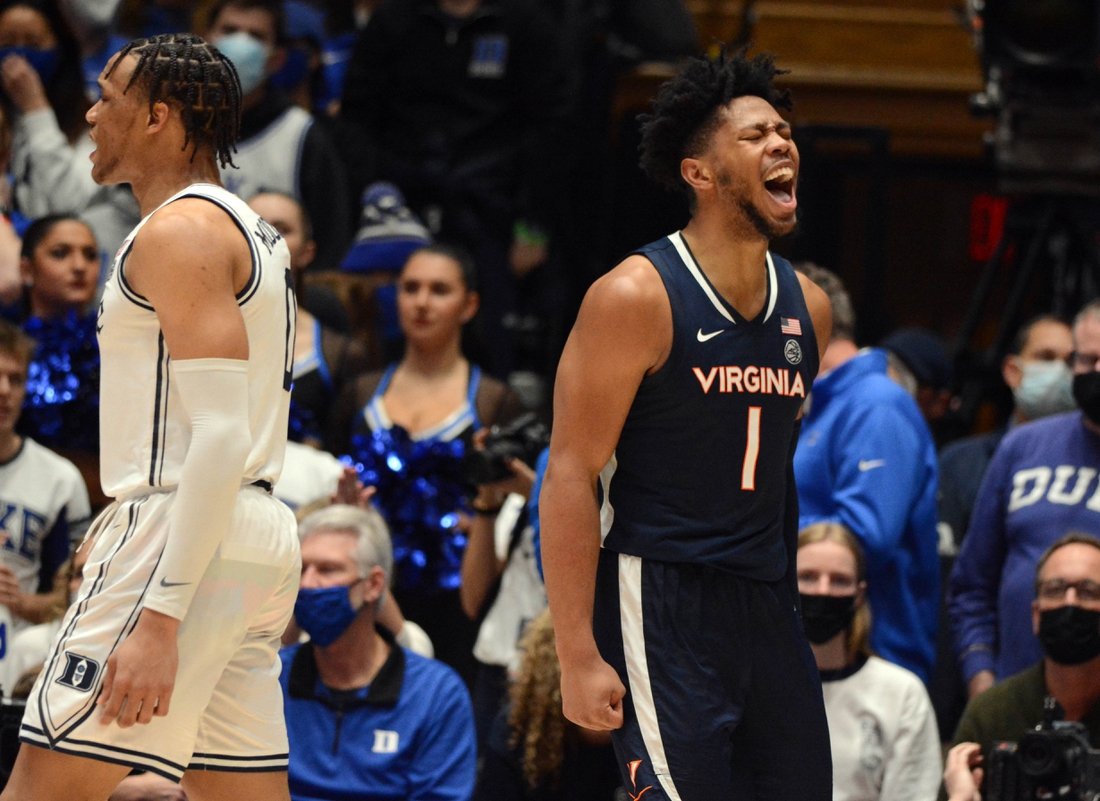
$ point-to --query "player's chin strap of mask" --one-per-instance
(214, 393)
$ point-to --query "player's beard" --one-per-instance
(749, 216)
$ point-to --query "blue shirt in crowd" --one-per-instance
(1040, 485)
(409, 735)
(866, 459)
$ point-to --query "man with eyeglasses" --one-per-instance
(1042, 482)
(1065, 616)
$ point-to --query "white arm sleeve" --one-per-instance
(214, 393)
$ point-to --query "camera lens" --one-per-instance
(1047, 30)
(1039, 755)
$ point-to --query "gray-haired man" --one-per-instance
(367, 717)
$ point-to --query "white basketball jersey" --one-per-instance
(144, 430)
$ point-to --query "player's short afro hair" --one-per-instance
(685, 112)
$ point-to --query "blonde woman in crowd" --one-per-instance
(534, 753)
(881, 724)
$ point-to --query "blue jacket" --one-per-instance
(866, 459)
(1040, 485)
(409, 735)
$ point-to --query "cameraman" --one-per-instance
(501, 583)
(1065, 616)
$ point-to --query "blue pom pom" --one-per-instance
(61, 409)
(420, 489)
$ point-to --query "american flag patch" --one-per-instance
(790, 325)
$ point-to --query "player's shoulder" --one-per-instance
(199, 222)
(632, 283)
(817, 304)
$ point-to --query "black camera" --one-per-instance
(1041, 63)
(524, 439)
(1053, 761)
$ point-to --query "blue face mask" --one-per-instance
(294, 70)
(325, 614)
(249, 56)
(1046, 388)
(43, 61)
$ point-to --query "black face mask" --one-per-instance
(1086, 391)
(825, 616)
(1070, 635)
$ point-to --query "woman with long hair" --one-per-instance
(325, 361)
(408, 427)
(42, 87)
(881, 724)
(60, 263)
(533, 751)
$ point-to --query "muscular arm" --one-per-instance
(188, 261)
(193, 291)
(623, 332)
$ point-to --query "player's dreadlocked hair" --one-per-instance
(184, 69)
(686, 110)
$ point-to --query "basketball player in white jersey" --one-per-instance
(168, 659)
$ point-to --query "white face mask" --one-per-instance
(249, 56)
(1045, 389)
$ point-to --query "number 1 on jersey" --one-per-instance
(752, 450)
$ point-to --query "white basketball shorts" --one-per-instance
(227, 707)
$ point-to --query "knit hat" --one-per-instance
(923, 352)
(388, 232)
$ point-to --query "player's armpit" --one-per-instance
(189, 261)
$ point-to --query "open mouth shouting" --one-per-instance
(779, 181)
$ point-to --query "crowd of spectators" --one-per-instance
(419, 157)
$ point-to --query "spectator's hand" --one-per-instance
(22, 84)
(148, 787)
(961, 775)
(141, 673)
(10, 594)
(592, 694)
(980, 682)
(522, 482)
(351, 491)
(525, 256)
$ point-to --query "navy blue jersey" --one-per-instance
(700, 473)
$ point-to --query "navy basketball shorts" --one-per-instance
(723, 696)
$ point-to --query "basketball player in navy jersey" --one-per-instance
(676, 413)
(168, 658)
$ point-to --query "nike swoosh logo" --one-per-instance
(704, 337)
(871, 464)
(164, 583)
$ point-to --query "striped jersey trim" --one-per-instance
(128, 291)
(637, 669)
(264, 763)
(108, 516)
(104, 753)
(692, 265)
(160, 414)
